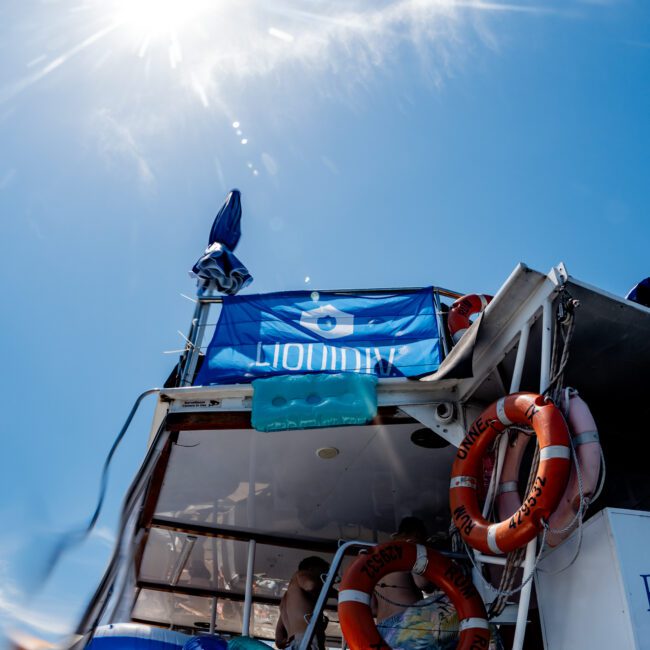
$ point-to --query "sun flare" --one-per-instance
(155, 18)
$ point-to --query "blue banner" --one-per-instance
(389, 334)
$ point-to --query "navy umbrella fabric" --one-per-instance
(219, 268)
(640, 293)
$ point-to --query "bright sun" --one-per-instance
(151, 18)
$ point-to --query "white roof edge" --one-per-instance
(384, 386)
(612, 296)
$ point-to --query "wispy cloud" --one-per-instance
(10, 91)
(117, 143)
(601, 3)
(104, 535)
(324, 48)
(7, 179)
(231, 40)
(14, 613)
(641, 44)
(340, 46)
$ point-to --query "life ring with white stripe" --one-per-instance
(584, 437)
(458, 319)
(550, 482)
(359, 580)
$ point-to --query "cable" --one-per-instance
(74, 538)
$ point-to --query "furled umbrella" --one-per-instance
(640, 293)
(218, 268)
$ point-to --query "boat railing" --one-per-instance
(331, 578)
(327, 587)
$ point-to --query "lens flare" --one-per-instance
(158, 18)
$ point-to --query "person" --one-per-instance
(397, 591)
(405, 619)
(298, 603)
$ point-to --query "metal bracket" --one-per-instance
(440, 418)
(558, 275)
(224, 403)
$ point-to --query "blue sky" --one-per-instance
(392, 143)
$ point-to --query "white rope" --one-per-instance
(510, 592)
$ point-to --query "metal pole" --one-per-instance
(248, 595)
(252, 470)
(196, 337)
(518, 370)
(186, 549)
(324, 592)
(191, 335)
(448, 293)
(213, 615)
(439, 322)
(515, 384)
(490, 559)
(531, 549)
(547, 333)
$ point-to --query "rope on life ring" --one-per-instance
(583, 479)
(550, 482)
(458, 319)
(359, 580)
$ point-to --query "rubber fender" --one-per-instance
(135, 636)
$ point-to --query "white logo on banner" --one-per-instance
(328, 321)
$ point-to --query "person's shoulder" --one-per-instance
(300, 577)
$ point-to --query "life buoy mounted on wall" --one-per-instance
(359, 580)
(550, 482)
(584, 436)
(458, 319)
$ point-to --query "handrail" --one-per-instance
(329, 581)
(448, 293)
(324, 592)
(99, 600)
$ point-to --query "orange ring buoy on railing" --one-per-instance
(355, 593)
(550, 482)
(584, 435)
(458, 320)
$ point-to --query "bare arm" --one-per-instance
(281, 637)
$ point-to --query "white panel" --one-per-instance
(599, 601)
(631, 532)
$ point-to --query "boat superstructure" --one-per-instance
(219, 514)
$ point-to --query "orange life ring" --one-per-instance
(584, 435)
(458, 320)
(355, 592)
(552, 474)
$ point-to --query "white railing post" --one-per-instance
(248, 595)
(515, 383)
(531, 549)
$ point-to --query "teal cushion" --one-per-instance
(315, 400)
